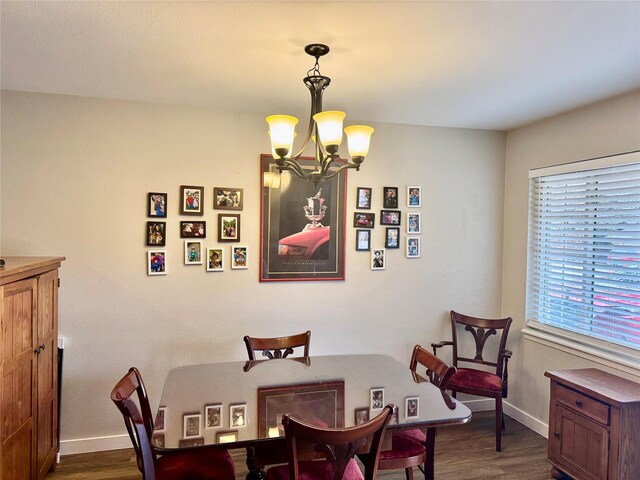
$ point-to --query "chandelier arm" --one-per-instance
(343, 167)
(293, 166)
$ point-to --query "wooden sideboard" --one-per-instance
(28, 367)
(594, 426)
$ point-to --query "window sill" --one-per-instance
(622, 363)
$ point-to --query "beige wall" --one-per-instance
(601, 129)
(75, 175)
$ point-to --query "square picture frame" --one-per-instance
(156, 234)
(227, 436)
(156, 262)
(157, 205)
(378, 260)
(376, 399)
(411, 407)
(159, 422)
(238, 415)
(225, 198)
(390, 197)
(414, 223)
(212, 416)
(414, 196)
(191, 425)
(239, 257)
(360, 415)
(157, 439)
(390, 217)
(364, 219)
(228, 227)
(363, 240)
(363, 198)
(413, 247)
(392, 237)
(193, 229)
(191, 200)
(193, 252)
(215, 260)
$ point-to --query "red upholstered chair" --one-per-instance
(475, 381)
(337, 446)
(202, 464)
(273, 347)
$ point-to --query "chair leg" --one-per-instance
(499, 424)
(409, 473)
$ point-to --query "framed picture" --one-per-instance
(239, 257)
(377, 259)
(316, 403)
(191, 425)
(414, 223)
(393, 419)
(364, 220)
(193, 252)
(411, 407)
(238, 415)
(227, 436)
(158, 425)
(363, 198)
(193, 229)
(413, 247)
(156, 234)
(361, 415)
(363, 240)
(390, 197)
(213, 416)
(392, 237)
(302, 230)
(414, 196)
(156, 262)
(227, 198)
(228, 227)
(377, 398)
(191, 200)
(191, 442)
(214, 260)
(157, 439)
(157, 205)
(390, 217)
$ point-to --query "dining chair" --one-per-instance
(338, 446)
(203, 463)
(277, 347)
(408, 447)
(477, 382)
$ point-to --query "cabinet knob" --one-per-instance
(579, 403)
(37, 351)
(556, 434)
(42, 346)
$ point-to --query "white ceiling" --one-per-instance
(490, 65)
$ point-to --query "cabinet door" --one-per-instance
(17, 391)
(580, 446)
(47, 372)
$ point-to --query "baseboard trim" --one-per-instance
(95, 444)
(488, 404)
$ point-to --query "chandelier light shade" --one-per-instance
(326, 126)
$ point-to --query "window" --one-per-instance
(583, 275)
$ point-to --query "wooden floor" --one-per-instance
(464, 452)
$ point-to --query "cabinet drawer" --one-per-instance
(581, 403)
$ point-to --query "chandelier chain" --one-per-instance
(315, 71)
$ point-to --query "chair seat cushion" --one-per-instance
(471, 378)
(415, 435)
(315, 470)
(204, 464)
(405, 444)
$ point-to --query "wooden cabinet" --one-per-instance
(28, 367)
(594, 426)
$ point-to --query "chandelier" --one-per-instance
(325, 126)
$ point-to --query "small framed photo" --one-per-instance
(228, 227)
(214, 260)
(361, 415)
(364, 220)
(156, 234)
(393, 419)
(193, 252)
(377, 398)
(157, 205)
(363, 240)
(392, 237)
(412, 407)
(213, 416)
(238, 415)
(413, 247)
(239, 258)
(414, 223)
(191, 200)
(414, 196)
(377, 259)
(158, 425)
(191, 425)
(156, 262)
(193, 229)
(364, 198)
(191, 442)
(390, 217)
(157, 439)
(227, 198)
(227, 436)
(390, 197)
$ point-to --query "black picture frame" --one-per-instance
(191, 200)
(363, 240)
(364, 219)
(193, 229)
(392, 237)
(390, 197)
(156, 234)
(390, 217)
(157, 205)
(363, 198)
(228, 198)
(228, 227)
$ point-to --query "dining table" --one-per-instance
(240, 404)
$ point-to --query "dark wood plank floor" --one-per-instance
(464, 452)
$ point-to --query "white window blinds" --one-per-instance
(584, 249)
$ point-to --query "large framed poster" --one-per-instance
(302, 232)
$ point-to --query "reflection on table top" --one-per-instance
(189, 389)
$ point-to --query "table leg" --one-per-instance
(256, 471)
(430, 447)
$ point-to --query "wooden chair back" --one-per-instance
(277, 347)
(338, 445)
(437, 371)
